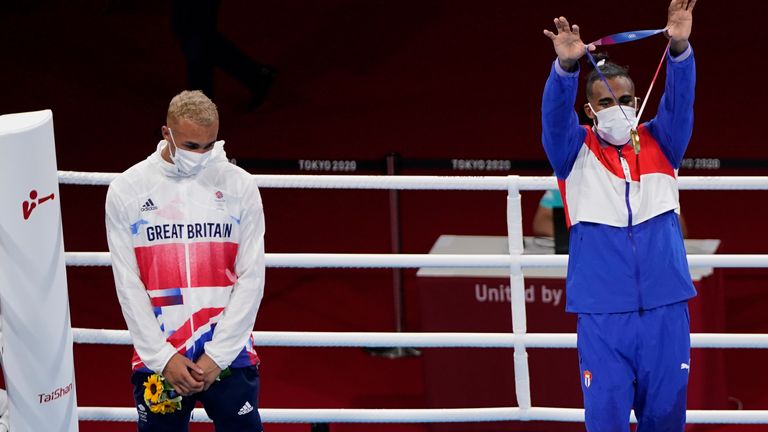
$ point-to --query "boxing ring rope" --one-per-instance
(425, 340)
(434, 415)
(319, 260)
(529, 183)
(519, 339)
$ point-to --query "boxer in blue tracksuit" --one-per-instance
(628, 277)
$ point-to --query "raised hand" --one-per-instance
(679, 23)
(568, 44)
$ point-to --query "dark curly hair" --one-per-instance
(609, 69)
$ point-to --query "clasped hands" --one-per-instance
(188, 377)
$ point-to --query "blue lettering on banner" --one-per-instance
(188, 231)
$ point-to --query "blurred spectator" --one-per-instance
(195, 24)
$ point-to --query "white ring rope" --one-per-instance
(500, 183)
(86, 178)
(518, 340)
(319, 260)
(452, 415)
(426, 340)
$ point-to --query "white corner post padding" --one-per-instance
(37, 335)
(517, 292)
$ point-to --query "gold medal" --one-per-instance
(635, 140)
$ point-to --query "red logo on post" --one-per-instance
(28, 206)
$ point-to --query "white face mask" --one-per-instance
(612, 125)
(188, 163)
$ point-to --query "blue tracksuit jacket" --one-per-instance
(626, 248)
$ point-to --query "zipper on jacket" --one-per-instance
(185, 196)
(627, 182)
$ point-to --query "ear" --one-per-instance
(588, 111)
(164, 132)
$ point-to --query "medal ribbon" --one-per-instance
(619, 38)
(624, 37)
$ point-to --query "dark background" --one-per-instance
(358, 80)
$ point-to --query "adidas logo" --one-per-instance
(684, 366)
(245, 409)
(148, 206)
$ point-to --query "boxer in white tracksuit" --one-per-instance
(186, 233)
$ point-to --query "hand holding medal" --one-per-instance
(567, 43)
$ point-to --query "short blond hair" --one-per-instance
(193, 105)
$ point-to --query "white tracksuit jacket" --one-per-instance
(188, 260)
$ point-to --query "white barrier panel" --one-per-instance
(37, 355)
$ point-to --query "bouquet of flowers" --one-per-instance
(160, 396)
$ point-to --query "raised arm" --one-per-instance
(567, 42)
(561, 134)
(673, 124)
(679, 25)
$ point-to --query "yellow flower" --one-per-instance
(165, 407)
(153, 388)
(156, 396)
(157, 408)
